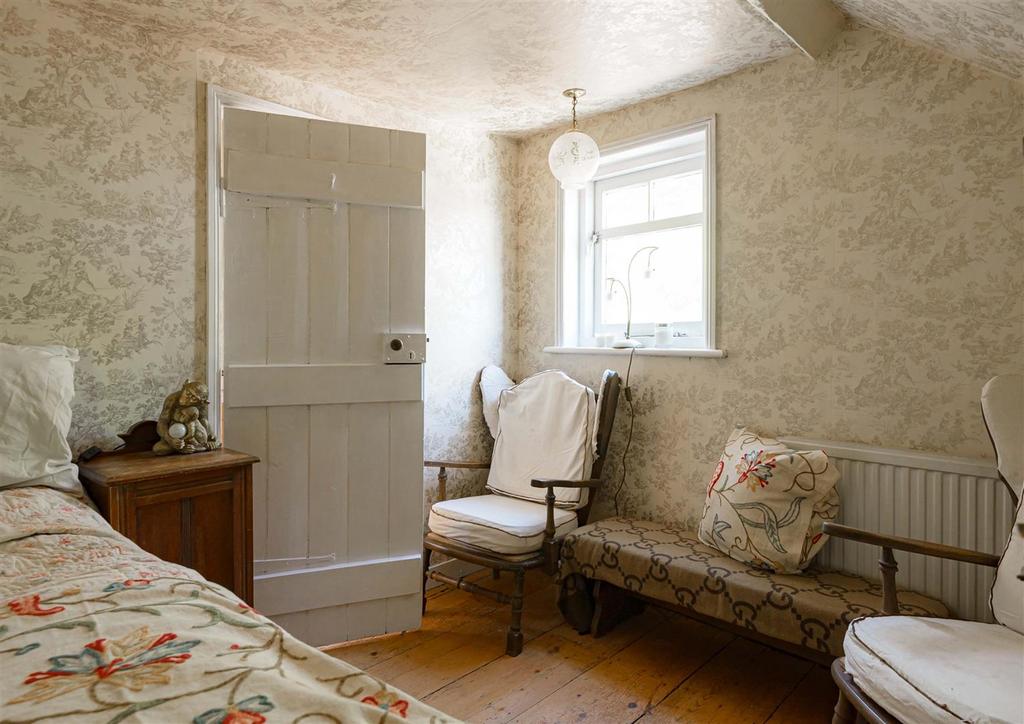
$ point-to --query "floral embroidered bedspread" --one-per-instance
(94, 629)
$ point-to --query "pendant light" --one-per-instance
(574, 156)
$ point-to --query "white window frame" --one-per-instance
(591, 313)
(626, 163)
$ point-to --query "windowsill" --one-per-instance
(641, 351)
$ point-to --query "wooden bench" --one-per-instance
(610, 568)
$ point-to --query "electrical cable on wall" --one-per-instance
(629, 435)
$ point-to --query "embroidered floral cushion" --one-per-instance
(766, 504)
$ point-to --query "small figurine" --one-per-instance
(183, 425)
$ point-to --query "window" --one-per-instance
(637, 248)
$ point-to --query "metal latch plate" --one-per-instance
(407, 349)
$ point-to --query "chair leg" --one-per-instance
(514, 639)
(495, 574)
(844, 712)
(426, 569)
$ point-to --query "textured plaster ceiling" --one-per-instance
(988, 33)
(502, 64)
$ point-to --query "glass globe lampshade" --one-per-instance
(573, 159)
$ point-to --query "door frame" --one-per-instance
(217, 99)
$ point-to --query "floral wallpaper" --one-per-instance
(102, 215)
(870, 238)
(870, 262)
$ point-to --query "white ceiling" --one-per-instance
(502, 64)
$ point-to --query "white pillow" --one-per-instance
(493, 381)
(1002, 403)
(36, 387)
(1007, 596)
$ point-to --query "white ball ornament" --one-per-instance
(177, 431)
(573, 159)
(574, 156)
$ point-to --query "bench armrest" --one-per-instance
(911, 546)
(553, 483)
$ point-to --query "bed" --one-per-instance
(94, 629)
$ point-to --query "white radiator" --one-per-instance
(956, 501)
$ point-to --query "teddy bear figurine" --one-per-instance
(183, 425)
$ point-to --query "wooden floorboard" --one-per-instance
(816, 693)
(633, 681)
(507, 686)
(744, 682)
(446, 608)
(470, 642)
(653, 668)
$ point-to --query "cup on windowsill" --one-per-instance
(603, 340)
(663, 335)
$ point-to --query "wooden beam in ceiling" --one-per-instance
(811, 25)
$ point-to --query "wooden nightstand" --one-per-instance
(195, 510)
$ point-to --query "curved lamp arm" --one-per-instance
(612, 281)
(629, 282)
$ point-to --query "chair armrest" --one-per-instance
(552, 547)
(911, 546)
(456, 464)
(442, 472)
(552, 483)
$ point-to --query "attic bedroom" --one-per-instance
(512, 361)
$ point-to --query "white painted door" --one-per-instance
(323, 256)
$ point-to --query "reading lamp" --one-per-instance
(628, 342)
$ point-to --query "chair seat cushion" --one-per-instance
(668, 563)
(938, 670)
(497, 523)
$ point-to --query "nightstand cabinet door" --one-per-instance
(199, 526)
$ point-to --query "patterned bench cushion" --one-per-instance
(666, 563)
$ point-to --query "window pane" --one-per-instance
(672, 292)
(624, 205)
(677, 195)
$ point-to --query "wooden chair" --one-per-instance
(896, 669)
(546, 552)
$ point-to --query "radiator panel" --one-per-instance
(949, 500)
